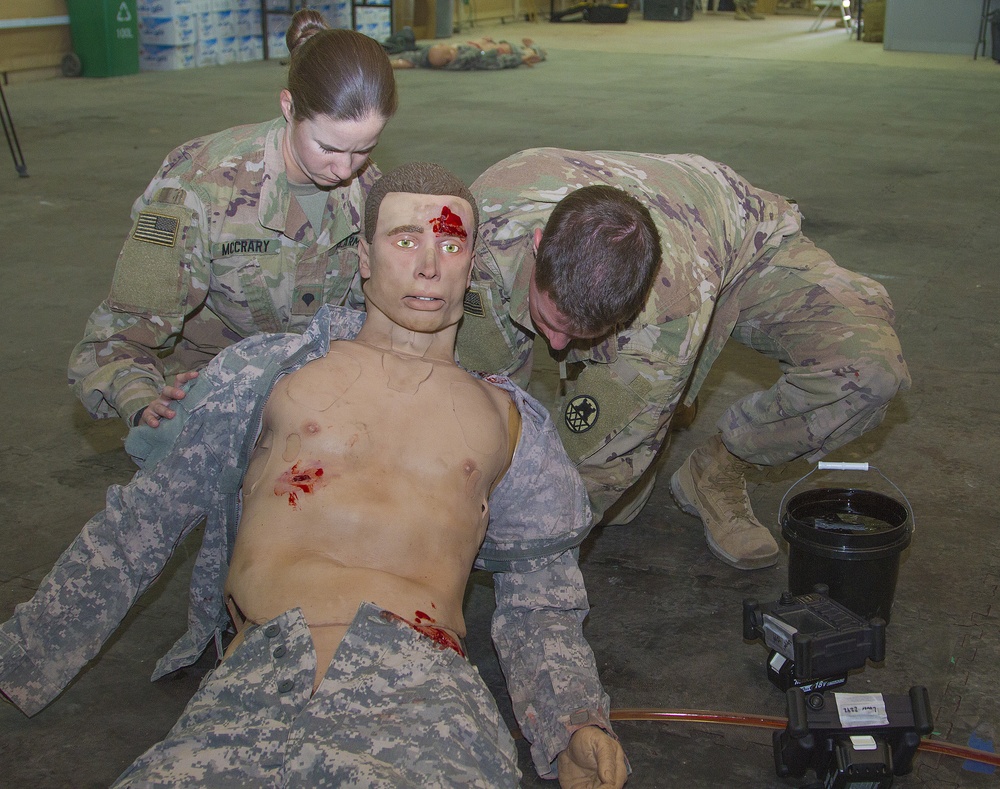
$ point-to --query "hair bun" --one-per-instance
(304, 25)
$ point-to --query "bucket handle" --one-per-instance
(829, 465)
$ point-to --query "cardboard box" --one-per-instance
(247, 22)
(225, 24)
(165, 58)
(227, 51)
(339, 15)
(249, 48)
(165, 8)
(205, 22)
(276, 46)
(373, 22)
(168, 30)
(206, 52)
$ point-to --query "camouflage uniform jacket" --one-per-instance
(192, 469)
(714, 227)
(219, 250)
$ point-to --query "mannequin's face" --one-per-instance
(419, 263)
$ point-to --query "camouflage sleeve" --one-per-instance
(117, 368)
(418, 57)
(628, 451)
(549, 666)
(541, 599)
(119, 553)
(616, 414)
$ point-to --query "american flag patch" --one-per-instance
(474, 304)
(156, 229)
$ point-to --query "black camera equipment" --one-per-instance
(814, 641)
(858, 740)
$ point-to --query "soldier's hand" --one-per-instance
(160, 407)
(592, 760)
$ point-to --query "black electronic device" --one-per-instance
(668, 10)
(852, 740)
(591, 12)
(814, 640)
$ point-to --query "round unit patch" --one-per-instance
(581, 413)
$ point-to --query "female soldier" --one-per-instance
(245, 231)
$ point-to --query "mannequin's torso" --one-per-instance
(369, 482)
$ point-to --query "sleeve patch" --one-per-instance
(152, 274)
(156, 229)
(474, 304)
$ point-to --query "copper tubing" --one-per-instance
(771, 722)
(700, 716)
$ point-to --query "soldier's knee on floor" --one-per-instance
(881, 384)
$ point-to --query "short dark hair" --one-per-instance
(421, 178)
(598, 257)
(335, 72)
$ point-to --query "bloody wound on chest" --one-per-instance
(298, 479)
(448, 224)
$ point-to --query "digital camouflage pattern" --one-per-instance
(394, 710)
(219, 250)
(469, 58)
(735, 263)
(191, 469)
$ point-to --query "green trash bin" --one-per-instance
(105, 37)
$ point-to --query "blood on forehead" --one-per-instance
(448, 224)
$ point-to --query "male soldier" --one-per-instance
(374, 469)
(641, 266)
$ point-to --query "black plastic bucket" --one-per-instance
(849, 539)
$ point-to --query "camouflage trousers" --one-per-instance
(393, 709)
(830, 331)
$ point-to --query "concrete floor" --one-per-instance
(893, 159)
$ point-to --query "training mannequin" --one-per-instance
(482, 55)
(370, 474)
(360, 447)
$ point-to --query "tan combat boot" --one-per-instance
(741, 14)
(711, 485)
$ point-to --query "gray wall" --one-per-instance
(948, 26)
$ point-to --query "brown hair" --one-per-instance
(420, 178)
(340, 73)
(598, 257)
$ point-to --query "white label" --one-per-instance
(863, 742)
(778, 636)
(861, 709)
